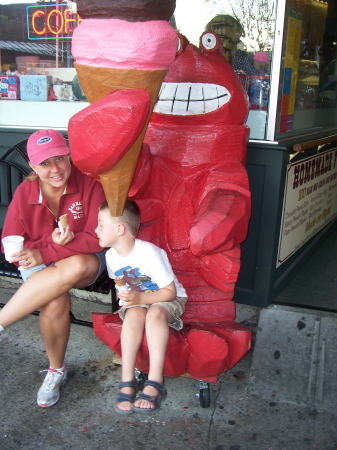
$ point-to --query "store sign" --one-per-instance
(310, 201)
(51, 22)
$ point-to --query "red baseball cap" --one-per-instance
(44, 144)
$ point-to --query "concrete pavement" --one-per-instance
(282, 395)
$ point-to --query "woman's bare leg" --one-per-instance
(55, 329)
(48, 289)
(48, 284)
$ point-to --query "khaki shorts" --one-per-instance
(175, 307)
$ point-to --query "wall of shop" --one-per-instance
(292, 214)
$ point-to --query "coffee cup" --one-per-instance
(11, 245)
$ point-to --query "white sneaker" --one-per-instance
(49, 392)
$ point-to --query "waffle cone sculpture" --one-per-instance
(113, 55)
(116, 181)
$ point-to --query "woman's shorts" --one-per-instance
(175, 307)
(100, 255)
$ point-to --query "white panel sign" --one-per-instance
(310, 201)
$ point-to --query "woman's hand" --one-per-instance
(64, 239)
(27, 258)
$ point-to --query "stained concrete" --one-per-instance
(280, 396)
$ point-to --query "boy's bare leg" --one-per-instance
(157, 336)
(131, 338)
(55, 329)
(48, 284)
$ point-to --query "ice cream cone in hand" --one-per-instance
(64, 220)
(63, 223)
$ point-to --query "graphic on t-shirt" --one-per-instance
(136, 280)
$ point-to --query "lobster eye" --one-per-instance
(209, 41)
(181, 44)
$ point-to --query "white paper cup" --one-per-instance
(11, 245)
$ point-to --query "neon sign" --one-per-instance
(51, 22)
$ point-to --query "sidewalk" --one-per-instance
(282, 395)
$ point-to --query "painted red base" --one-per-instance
(201, 350)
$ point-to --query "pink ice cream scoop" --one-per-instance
(120, 44)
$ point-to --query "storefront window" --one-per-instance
(308, 78)
(246, 28)
(292, 91)
(35, 51)
(35, 39)
(283, 51)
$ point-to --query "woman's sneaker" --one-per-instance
(49, 392)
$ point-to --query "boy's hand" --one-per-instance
(130, 298)
(165, 294)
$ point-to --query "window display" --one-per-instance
(246, 29)
(308, 77)
(35, 49)
(283, 52)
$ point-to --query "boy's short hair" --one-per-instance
(130, 216)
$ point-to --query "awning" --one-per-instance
(29, 47)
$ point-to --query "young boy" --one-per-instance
(155, 300)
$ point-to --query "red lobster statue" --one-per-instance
(192, 188)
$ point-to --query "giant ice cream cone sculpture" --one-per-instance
(114, 54)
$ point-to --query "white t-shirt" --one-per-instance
(146, 268)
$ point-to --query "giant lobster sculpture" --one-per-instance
(184, 164)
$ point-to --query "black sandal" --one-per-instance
(126, 397)
(162, 392)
